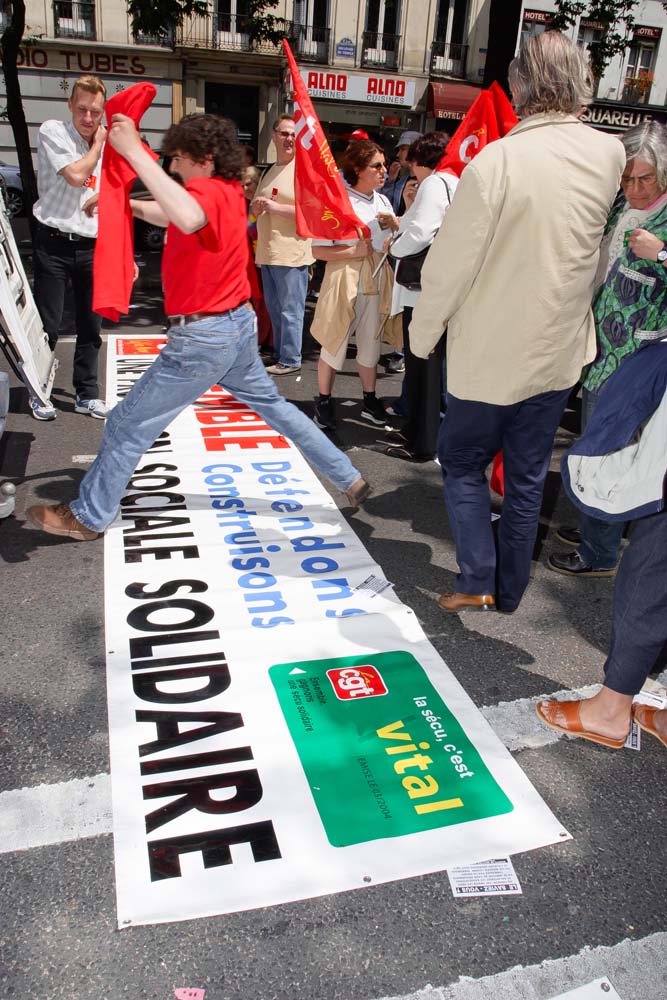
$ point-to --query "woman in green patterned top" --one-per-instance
(629, 305)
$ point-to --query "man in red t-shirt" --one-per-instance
(212, 327)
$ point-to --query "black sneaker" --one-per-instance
(396, 366)
(571, 564)
(374, 411)
(571, 536)
(325, 416)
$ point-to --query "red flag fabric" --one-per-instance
(113, 261)
(490, 117)
(323, 208)
(498, 476)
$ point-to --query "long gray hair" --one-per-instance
(648, 142)
(550, 74)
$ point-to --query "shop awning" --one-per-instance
(450, 100)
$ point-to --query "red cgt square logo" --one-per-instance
(356, 682)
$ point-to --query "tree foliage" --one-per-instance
(616, 18)
(161, 18)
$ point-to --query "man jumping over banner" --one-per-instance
(212, 327)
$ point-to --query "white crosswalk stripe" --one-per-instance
(637, 970)
(72, 810)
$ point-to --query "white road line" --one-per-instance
(71, 810)
(636, 969)
(83, 459)
(53, 814)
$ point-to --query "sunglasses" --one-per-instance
(377, 166)
(286, 135)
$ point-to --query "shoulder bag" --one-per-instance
(409, 270)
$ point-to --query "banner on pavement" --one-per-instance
(280, 727)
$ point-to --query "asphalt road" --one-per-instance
(58, 936)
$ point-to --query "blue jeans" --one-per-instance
(220, 349)
(639, 616)
(600, 540)
(471, 434)
(285, 291)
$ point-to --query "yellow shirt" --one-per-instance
(277, 241)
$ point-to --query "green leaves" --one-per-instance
(616, 22)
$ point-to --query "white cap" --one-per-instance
(407, 138)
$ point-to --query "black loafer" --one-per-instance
(571, 564)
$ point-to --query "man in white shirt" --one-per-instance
(69, 160)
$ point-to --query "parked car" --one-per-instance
(14, 197)
(146, 236)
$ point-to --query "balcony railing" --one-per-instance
(72, 19)
(310, 42)
(380, 49)
(448, 59)
(226, 31)
(165, 40)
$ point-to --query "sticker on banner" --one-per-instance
(374, 585)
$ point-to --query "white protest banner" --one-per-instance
(279, 729)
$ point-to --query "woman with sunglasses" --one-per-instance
(353, 298)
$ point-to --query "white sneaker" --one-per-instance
(93, 407)
(40, 410)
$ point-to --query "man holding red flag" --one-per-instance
(511, 276)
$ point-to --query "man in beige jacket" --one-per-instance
(511, 275)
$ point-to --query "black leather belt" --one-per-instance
(185, 318)
(72, 237)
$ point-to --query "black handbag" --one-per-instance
(409, 270)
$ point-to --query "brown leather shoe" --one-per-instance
(59, 520)
(358, 492)
(644, 716)
(461, 602)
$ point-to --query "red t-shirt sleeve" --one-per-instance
(202, 191)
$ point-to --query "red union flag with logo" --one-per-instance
(490, 117)
(323, 208)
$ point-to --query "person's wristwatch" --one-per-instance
(661, 256)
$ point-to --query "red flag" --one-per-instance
(323, 208)
(497, 483)
(490, 117)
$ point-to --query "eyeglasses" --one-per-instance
(642, 181)
(377, 166)
(285, 135)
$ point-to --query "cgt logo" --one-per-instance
(356, 682)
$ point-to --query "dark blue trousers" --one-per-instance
(639, 617)
(470, 436)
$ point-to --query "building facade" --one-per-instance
(633, 87)
(380, 65)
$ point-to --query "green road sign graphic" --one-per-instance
(382, 753)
